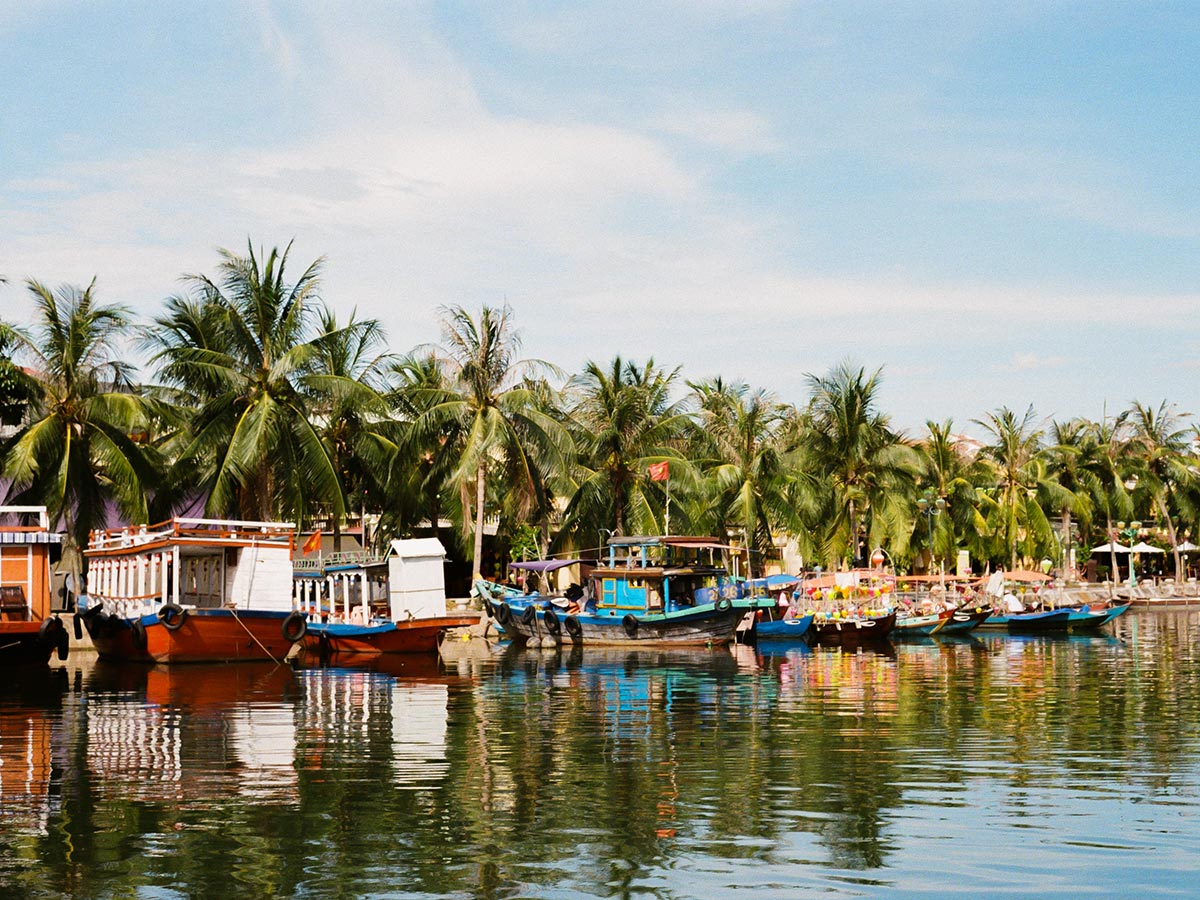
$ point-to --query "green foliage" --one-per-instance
(264, 403)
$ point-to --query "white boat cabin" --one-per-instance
(359, 587)
(202, 563)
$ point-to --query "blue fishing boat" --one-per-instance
(660, 590)
(1030, 622)
(1085, 617)
(786, 628)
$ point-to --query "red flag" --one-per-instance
(660, 471)
(313, 542)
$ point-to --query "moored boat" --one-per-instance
(29, 632)
(963, 620)
(192, 590)
(786, 628)
(1047, 620)
(649, 590)
(364, 604)
(856, 628)
(1087, 617)
(922, 625)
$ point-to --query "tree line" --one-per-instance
(263, 404)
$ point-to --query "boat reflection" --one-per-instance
(353, 712)
(192, 734)
(30, 730)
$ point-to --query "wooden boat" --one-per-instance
(785, 628)
(29, 632)
(1086, 617)
(854, 629)
(963, 620)
(1048, 620)
(365, 604)
(921, 625)
(649, 590)
(192, 590)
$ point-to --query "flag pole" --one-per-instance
(667, 524)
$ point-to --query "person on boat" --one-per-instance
(1012, 604)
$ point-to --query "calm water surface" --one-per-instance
(989, 766)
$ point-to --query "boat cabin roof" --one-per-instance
(705, 543)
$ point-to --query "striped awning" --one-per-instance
(30, 537)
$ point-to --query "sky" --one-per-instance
(997, 203)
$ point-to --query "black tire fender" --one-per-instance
(630, 624)
(172, 615)
(504, 614)
(550, 620)
(723, 604)
(529, 614)
(294, 627)
(48, 633)
(574, 629)
(139, 635)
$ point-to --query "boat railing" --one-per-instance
(354, 557)
(210, 529)
(39, 511)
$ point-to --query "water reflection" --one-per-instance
(1038, 764)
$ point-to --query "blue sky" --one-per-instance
(997, 203)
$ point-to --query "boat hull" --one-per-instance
(204, 635)
(961, 621)
(1086, 619)
(697, 627)
(854, 631)
(1038, 622)
(26, 643)
(413, 636)
(919, 626)
(783, 629)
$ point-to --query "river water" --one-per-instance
(991, 766)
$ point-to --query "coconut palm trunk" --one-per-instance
(480, 488)
(1162, 511)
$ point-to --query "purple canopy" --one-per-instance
(549, 565)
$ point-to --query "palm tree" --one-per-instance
(945, 471)
(1105, 464)
(244, 348)
(867, 467)
(495, 412)
(347, 388)
(1160, 444)
(1019, 475)
(74, 453)
(421, 465)
(623, 420)
(1067, 460)
(744, 461)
